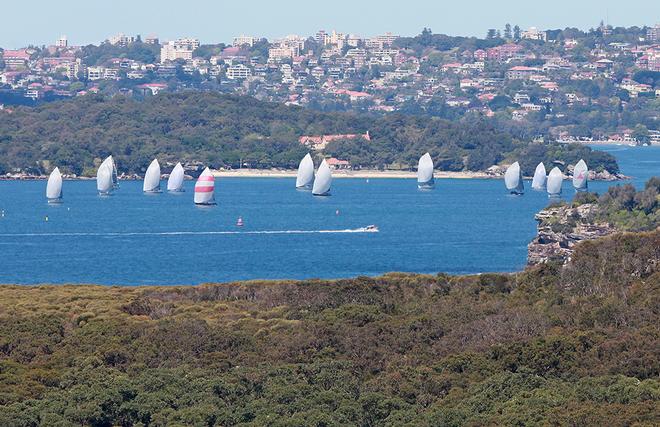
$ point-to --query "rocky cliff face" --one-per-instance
(560, 228)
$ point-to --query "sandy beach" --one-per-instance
(278, 173)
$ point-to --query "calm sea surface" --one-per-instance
(463, 226)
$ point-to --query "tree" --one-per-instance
(507, 31)
(516, 33)
(491, 33)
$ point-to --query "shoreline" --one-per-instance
(336, 174)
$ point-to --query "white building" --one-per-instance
(281, 52)
(62, 42)
(534, 34)
(238, 71)
(244, 40)
(95, 73)
(178, 49)
(121, 39)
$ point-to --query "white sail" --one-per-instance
(305, 177)
(152, 178)
(513, 179)
(175, 181)
(580, 176)
(425, 172)
(54, 186)
(555, 181)
(323, 180)
(104, 178)
(538, 183)
(204, 188)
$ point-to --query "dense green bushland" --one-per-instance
(625, 208)
(225, 131)
(576, 345)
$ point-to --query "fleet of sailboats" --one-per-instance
(106, 179)
(425, 172)
(175, 181)
(54, 186)
(204, 189)
(151, 182)
(305, 175)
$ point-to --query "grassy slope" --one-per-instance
(577, 346)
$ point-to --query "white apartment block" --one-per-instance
(244, 40)
(95, 73)
(62, 42)
(238, 71)
(121, 39)
(281, 52)
(178, 49)
(533, 34)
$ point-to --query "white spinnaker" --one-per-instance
(104, 178)
(305, 176)
(175, 181)
(555, 181)
(323, 180)
(580, 176)
(425, 170)
(152, 178)
(204, 188)
(540, 177)
(54, 186)
(513, 178)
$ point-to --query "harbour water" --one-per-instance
(129, 238)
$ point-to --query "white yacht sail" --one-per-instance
(580, 176)
(175, 181)
(54, 186)
(152, 178)
(204, 188)
(425, 172)
(305, 177)
(538, 183)
(555, 181)
(104, 178)
(513, 179)
(323, 180)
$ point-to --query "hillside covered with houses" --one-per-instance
(568, 85)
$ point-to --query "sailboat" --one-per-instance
(555, 181)
(323, 180)
(104, 179)
(580, 176)
(204, 188)
(305, 176)
(175, 181)
(54, 186)
(538, 183)
(425, 172)
(152, 178)
(513, 179)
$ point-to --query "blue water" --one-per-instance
(463, 226)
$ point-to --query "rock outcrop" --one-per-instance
(560, 228)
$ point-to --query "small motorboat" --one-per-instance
(239, 222)
(371, 229)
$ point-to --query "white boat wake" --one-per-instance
(187, 233)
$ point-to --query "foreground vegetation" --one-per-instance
(550, 346)
(227, 131)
